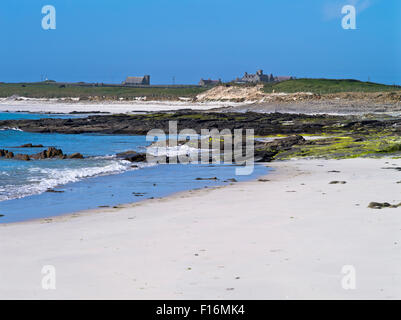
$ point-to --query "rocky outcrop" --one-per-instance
(265, 151)
(7, 154)
(3, 152)
(284, 143)
(50, 153)
(132, 156)
(23, 157)
(30, 145)
(265, 155)
(141, 124)
(263, 124)
(75, 155)
(379, 205)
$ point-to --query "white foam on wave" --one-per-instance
(8, 128)
(172, 151)
(47, 178)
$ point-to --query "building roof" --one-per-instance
(283, 78)
(258, 77)
(138, 80)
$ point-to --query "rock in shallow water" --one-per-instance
(30, 145)
(132, 156)
(378, 205)
(23, 157)
(75, 155)
(50, 153)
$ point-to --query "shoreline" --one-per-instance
(329, 106)
(111, 107)
(117, 207)
(288, 237)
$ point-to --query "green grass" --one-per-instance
(322, 86)
(54, 90)
(51, 90)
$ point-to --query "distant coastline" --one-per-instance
(240, 92)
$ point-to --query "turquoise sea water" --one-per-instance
(98, 180)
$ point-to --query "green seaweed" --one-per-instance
(350, 146)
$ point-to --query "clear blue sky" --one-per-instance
(106, 40)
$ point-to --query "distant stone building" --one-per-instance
(254, 78)
(135, 81)
(209, 82)
(259, 76)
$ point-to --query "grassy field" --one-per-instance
(322, 86)
(54, 90)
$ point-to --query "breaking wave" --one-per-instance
(8, 128)
(39, 180)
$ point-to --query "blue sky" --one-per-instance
(106, 40)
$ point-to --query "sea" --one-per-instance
(98, 180)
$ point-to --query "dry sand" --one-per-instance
(287, 238)
(335, 106)
(254, 103)
(57, 106)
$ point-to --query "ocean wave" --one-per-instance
(172, 151)
(9, 128)
(42, 179)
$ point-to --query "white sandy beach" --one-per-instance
(58, 106)
(287, 238)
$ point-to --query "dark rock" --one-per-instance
(132, 156)
(139, 194)
(263, 124)
(23, 157)
(9, 155)
(338, 182)
(394, 168)
(30, 145)
(54, 191)
(53, 152)
(75, 155)
(266, 151)
(3, 152)
(284, 143)
(378, 205)
(50, 153)
(264, 155)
